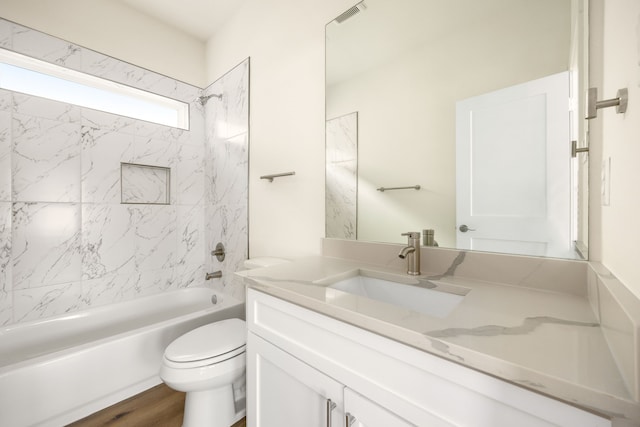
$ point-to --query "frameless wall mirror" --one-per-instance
(466, 112)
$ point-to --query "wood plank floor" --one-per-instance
(159, 406)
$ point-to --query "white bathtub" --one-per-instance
(58, 370)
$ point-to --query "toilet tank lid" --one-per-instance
(260, 262)
(208, 341)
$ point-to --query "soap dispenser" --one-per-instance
(428, 237)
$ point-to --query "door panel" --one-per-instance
(513, 169)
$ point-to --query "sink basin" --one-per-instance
(398, 290)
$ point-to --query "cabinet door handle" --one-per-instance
(330, 407)
(349, 419)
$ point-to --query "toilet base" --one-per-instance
(210, 408)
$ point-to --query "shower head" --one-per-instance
(360, 7)
(203, 99)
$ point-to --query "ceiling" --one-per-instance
(198, 18)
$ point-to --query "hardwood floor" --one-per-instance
(159, 406)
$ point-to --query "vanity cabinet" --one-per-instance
(308, 369)
(286, 391)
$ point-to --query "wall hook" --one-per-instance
(621, 102)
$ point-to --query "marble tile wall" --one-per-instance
(227, 176)
(341, 195)
(66, 241)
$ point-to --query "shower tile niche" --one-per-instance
(145, 184)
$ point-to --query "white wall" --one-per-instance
(114, 29)
(285, 40)
(614, 230)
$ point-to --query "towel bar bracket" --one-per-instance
(621, 101)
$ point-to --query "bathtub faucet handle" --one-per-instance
(218, 252)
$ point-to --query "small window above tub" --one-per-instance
(21, 73)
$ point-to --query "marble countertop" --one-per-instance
(546, 341)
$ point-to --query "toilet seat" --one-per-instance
(207, 345)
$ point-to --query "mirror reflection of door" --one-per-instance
(513, 169)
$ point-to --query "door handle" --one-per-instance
(464, 228)
(330, 407)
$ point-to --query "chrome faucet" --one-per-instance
(412, 253)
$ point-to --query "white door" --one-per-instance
(283, 391)
(513, 169)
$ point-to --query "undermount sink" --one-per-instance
(406, 292)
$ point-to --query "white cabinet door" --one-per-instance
(361, 412)
(283, 391)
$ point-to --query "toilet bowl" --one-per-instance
(205, 363)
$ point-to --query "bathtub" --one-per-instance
(60, 369)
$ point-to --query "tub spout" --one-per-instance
(214, 275)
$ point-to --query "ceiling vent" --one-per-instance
(360, 7)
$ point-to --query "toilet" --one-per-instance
(208, 363)
(205, 363)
